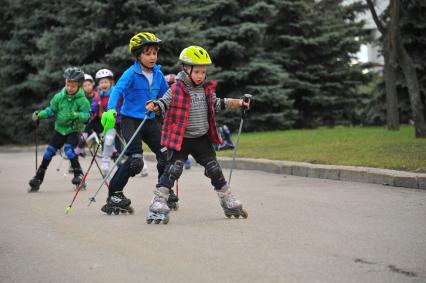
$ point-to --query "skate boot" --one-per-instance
(37, 180)
(231, 206)
(159, 210)
(78, 177)
(173, 201)
(117, 203)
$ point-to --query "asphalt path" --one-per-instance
(298, 230)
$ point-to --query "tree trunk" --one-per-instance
(409, 70)
(410, 74)
(392, 112)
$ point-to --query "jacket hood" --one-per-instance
(79, 94)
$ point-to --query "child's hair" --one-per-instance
(74, 74)
(142, 42)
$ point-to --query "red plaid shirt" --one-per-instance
(176, 118)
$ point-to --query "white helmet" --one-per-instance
(104, 73)
(88, 77)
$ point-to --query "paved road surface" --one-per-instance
(298, 230)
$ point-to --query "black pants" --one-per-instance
(57, 141)
(203, 152)
(150, 133)
(94, 126)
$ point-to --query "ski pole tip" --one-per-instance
(68, 209)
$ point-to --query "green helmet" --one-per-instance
(195, 55)
(138, 41)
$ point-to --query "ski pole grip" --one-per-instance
(247, 97)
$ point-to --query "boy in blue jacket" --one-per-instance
(140, 83)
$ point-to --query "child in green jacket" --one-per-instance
(70, 108)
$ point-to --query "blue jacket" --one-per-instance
(133, 86)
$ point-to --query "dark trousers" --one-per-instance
(150, 133)
(57, 141)
(203, 152)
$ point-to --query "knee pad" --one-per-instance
(213, 170)
(69, 151)
(135, 164)
(175, 170)
(49, 152)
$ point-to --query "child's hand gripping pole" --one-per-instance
(92, 199)
(245, 107)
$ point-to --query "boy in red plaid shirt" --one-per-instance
(190, 128)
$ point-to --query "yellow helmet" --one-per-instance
(195, 55)
(139, 40)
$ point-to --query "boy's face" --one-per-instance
(149, 56)
(71, 86)
(88, 87)
(105, 84)
(198, 74)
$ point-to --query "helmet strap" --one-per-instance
(189, 75)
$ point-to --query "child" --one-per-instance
(141, 82)
(94, 122)
(105, 80)
(70, 109)
(190, 128)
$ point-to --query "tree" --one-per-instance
(395, 50)
(234, 32)
(315, 42)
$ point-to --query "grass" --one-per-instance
(371, 146)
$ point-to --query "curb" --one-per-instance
(385, 177)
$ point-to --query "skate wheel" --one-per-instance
(244, 213)
(116, 211)
(109, 211)
(33, 190)
(130, 210)
(166, 220)
(149, 221)
(157, 221)
(123, 211)
(237, 216)
(228, 215)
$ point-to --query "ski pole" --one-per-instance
(36, 144)
(82, 182)
(246, 98)
(92, 199)
(97, 164)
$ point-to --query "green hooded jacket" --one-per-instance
(70, 111)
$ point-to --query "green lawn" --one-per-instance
(371, 146)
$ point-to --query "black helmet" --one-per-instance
(74, 74)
